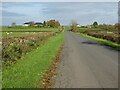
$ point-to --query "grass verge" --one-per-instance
(26, 73)
(106, 42)
(48, 77)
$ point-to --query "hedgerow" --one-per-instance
(113, 36)
(13, 48)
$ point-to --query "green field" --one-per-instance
(22, 28)
(89, 29)
(11, 31)
(15, 34)
(28, 72)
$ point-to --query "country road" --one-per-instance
(86, 64)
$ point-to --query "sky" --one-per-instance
(83, 12)
(60, 0)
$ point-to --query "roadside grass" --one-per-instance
(29, 71)
(106, 42)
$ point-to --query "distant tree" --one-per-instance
(57, 23)
(117, 26)
(95, 24)
(61, 28)
(13, 24)
(53, 23)
(44, 23)
(108, 27)
(73, 26)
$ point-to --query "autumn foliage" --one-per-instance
(53, 23)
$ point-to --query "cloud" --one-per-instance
(11, 14)
(119, 8)
(83, 13)
(60, 0)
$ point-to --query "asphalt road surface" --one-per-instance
(86, 64)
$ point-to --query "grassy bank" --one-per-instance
(106, 42)
(27, 72)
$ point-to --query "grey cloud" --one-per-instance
(23, 4)
(79, 6)
(84, 13)
(10, 14)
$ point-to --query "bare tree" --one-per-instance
(73, 26)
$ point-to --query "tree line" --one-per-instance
(73, 26)
(50, 23)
